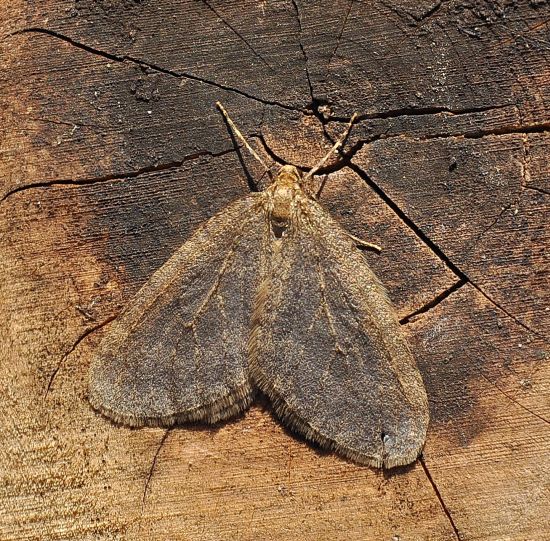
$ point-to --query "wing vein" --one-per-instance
(225, 264)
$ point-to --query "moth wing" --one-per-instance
(179, 351)
(327, 348)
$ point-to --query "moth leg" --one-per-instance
(321, 187)
(238, 133)
(364, 243)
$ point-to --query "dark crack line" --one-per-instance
(439, 497)
(480, 133)
(325, 170)
(528, 30)
(153, 465)
(345, 155)
(474, 243)
(512, 399)
(117, 176)
(477, 134)
(431, 12)
(537, 189)
(511, 316)
(434, 302)
(420, 111)
(299, 19)
(242, 38)
(435, 248)
(541, 127)
(72, 349)
(250, 181)
(409, 222)
(143, 63)
(340, 34)
(268, 150)
(403, 15)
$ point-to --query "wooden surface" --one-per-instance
(112, 152)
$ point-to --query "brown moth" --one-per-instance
(272, 294)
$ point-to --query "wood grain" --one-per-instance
(112, 153)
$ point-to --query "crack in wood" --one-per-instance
(408, 221)
(401, 14)
(143, 63)
(537, 189)
(340, 34)
(476, 241)
(478, 134)
(511, 316)
(270, 152)
(242, 38)
(430, 12)
(253, 184)
(421, 111)
(153, 465)
(435, 248)
(528, 30)
(116, 176)
(438, 299)
(300, 44)
(84, 335)
(440, 498)
(513, 400)
(338, 165)
(542, 127)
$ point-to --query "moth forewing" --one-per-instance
(178, 351)
(327, 348)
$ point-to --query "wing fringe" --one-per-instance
(225, 407)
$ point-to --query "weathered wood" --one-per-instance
(112, 153)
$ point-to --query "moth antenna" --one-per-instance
(334, 148)
(237, 132)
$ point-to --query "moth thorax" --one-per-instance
(283, 193)
(281, 209)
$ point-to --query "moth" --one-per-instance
(270, 294)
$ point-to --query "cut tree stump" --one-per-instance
(112, 152)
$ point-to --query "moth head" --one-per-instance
(288, 174)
